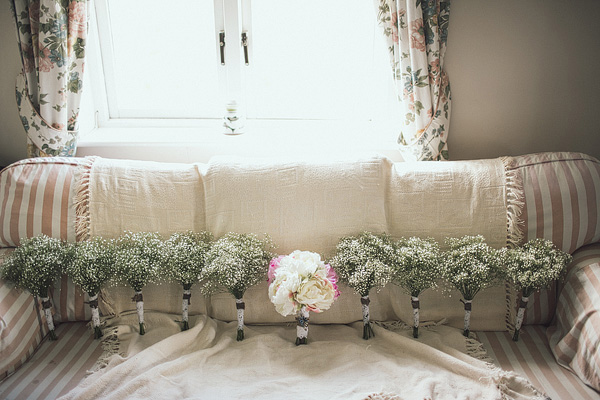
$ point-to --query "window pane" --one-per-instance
(164, 58)
(317, 59)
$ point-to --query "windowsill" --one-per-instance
(199, 141)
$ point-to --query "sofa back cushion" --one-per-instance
(561, 193)
(36, 196)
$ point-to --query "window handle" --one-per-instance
(245, 45)
(222, 46)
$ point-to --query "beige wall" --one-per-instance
(524, 78)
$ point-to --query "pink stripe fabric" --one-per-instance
(20, 331)
(575, 339)
(36, 196)
(531, 357)
(56, 367)
(562, 201)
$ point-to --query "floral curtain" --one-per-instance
(416, 32)
(51, 35)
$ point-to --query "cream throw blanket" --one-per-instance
(206, 362)
(307, 205)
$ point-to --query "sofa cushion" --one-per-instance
(21, 326)
(37, 196)
(561, 193)
(575, 339)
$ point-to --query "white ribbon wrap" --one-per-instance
(185, 305)
(467, 314)
(48, 314)
(302, 331)
(95, 312)
(240, 315)
(521, 313)
(139, 305)
(415, 312)
(365, 310)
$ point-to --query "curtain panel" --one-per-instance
(51, 35)
(416, 32)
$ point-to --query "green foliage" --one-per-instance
(92, 264)
(535, 265)
(365, 261)
(470, 265)
(139, 257)
(236, 262)
(419, 265)
(35, 264)
(185, 257)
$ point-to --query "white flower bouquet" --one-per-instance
(185, 257)
(299, 283)
(364, 262)
(418, 268)
(138, 259)
(234, 263)
(91, 267)
(531, 267)
(470, 265)
(34, 265)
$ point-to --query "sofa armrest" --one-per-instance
(575, 337)
(21, 328)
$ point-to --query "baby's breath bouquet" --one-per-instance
(419, 267)
(531, 267)
(363, 262)
(471, 265)
(138, 259)
(92, 266)
(185, 257)
(234, 263)
(34, 266)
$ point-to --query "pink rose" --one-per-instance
(417, 34)
(333, 278)
(273, 265)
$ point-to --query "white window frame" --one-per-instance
(198, 139)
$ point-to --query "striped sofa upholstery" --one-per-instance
(561, 194)
(560, 197)
(575, 338)
(22, 326)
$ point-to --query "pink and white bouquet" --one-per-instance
(299, 283)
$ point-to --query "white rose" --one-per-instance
(281, 293)
(318, 294)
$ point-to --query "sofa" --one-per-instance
(309, 204)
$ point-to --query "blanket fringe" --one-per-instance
(82, 201)
(515, 201)
(110, 346)
(502, 379)
(397, 326)
(106, 304)
(477, 350)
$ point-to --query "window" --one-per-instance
(307, 61)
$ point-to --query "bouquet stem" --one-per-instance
(95, 316)
(367, 328)
(302, 326)
(47, 305)
(415, 305)
(520, 317)
(467, 304)
(139, 305)
(185, 305)
(240, 306)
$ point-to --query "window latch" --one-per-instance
(222, 46)
(245, 45)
